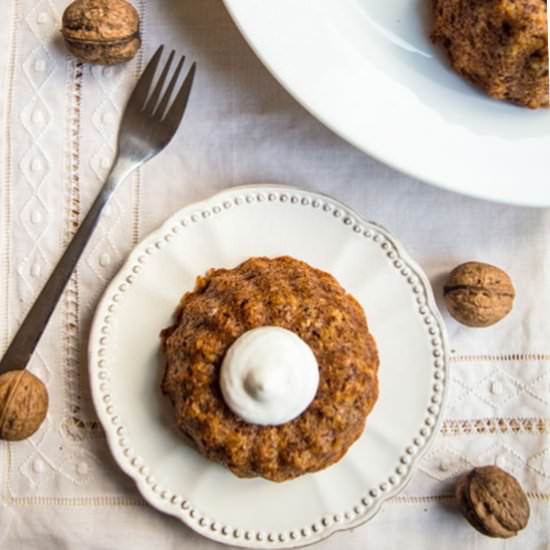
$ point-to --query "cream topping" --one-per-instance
(269, 376)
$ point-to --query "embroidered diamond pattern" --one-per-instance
(103, 259)
(78, 466)
(497, 388)
(42, 19)
(493, 390)
(101, 161)
(503, 457)
(32, 270)
(34, 166)
(37, 470)
(539, 388)
(540, 463)
(36, 117)
(38, 67)
(105, 119)
(34, 217)
(110, 80)
(443, 463)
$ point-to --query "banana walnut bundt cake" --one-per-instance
(500, 45)
(284, 293)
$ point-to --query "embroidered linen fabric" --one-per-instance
(61, 488)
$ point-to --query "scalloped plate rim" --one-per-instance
(123, 462)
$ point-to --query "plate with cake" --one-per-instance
(453, 92)
(269, 367)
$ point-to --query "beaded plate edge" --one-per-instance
(176, 505)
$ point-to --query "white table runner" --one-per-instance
(58, 120)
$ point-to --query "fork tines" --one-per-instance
(157, 104)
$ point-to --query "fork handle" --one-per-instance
(25, 340)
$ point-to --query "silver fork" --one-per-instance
(149, 123)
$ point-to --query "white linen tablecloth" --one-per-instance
(61, 489)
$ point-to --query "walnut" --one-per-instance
(478, 294)
(23, 404)
(493, 502)
(104, 32)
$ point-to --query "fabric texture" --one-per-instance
(58, 122)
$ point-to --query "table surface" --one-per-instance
(58, 122)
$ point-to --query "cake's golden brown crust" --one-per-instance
(501, 45)
(280, 292)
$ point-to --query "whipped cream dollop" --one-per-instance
(269, 376)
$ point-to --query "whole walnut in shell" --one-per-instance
(478, 294)
(104, 32)
(493, 502)
(23, 404)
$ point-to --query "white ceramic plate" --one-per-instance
(126, 367)
(368, 70)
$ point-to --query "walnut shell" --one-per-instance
(493, 502)
(478, 294)
(23, 404)
(103, 32)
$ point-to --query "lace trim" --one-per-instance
(6, 207)
(77, 501)
(79, 429)
(72, 292)
(500, 357)
(138, 501)
(531, 495)
(75, 423)
(137, 188)
(8, 174)
(495, 425)
(420, 500)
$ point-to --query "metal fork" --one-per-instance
(149, 123)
